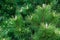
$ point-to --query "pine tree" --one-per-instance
(29, 20)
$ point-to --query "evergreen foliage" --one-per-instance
(29, 19)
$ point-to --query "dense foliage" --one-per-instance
(29, 19)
